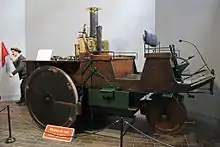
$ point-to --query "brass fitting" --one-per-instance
(93, 9)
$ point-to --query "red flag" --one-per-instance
(4, 54)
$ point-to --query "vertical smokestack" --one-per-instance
(93, 20)
(99, 38)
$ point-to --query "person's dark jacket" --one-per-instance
(20, 67)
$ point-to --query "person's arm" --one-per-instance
(13, 61)
(21, 66)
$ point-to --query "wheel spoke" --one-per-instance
(65, 103)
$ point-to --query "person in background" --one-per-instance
(20, 68)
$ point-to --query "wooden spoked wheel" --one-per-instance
(167, 116)
(51, 97)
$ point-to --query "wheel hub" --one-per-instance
(49, 99)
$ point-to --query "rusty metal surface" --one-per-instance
(157, 75)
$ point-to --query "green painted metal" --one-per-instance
(90, 62)
(179, 71)
(109, 98)
(182, 67)
(93, 70)
(103, 112)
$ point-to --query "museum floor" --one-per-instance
(28, 135)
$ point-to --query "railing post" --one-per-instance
(10, 139)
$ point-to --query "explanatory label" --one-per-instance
(58, 133)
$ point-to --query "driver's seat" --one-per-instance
(178, 68)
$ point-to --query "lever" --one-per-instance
(212, 82)
(191, 96)
(190, 57)
(180, 40)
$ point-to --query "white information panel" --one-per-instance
(44, 54)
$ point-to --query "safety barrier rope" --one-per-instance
(87, 133)
(95, 132)
(3, 109)
(74, 136)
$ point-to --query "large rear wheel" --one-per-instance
(51, 97)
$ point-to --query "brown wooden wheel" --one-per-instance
(51, 97)
(166, 115)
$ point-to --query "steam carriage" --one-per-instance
(96, 80)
